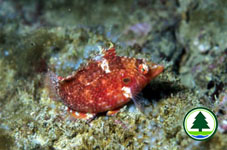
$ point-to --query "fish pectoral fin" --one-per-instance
(82, 116)
(112, 112)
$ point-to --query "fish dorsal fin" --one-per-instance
(111, 52)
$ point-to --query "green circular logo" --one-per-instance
(200, 123)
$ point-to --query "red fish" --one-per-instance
(105, 84)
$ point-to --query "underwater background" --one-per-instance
(188, 37)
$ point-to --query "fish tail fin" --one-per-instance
(52, 84)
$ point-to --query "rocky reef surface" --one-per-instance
(188, 37)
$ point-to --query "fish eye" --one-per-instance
(126, 80)
(143, 68)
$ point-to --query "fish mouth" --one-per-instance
(156, 70)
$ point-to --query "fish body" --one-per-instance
(106, 83)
